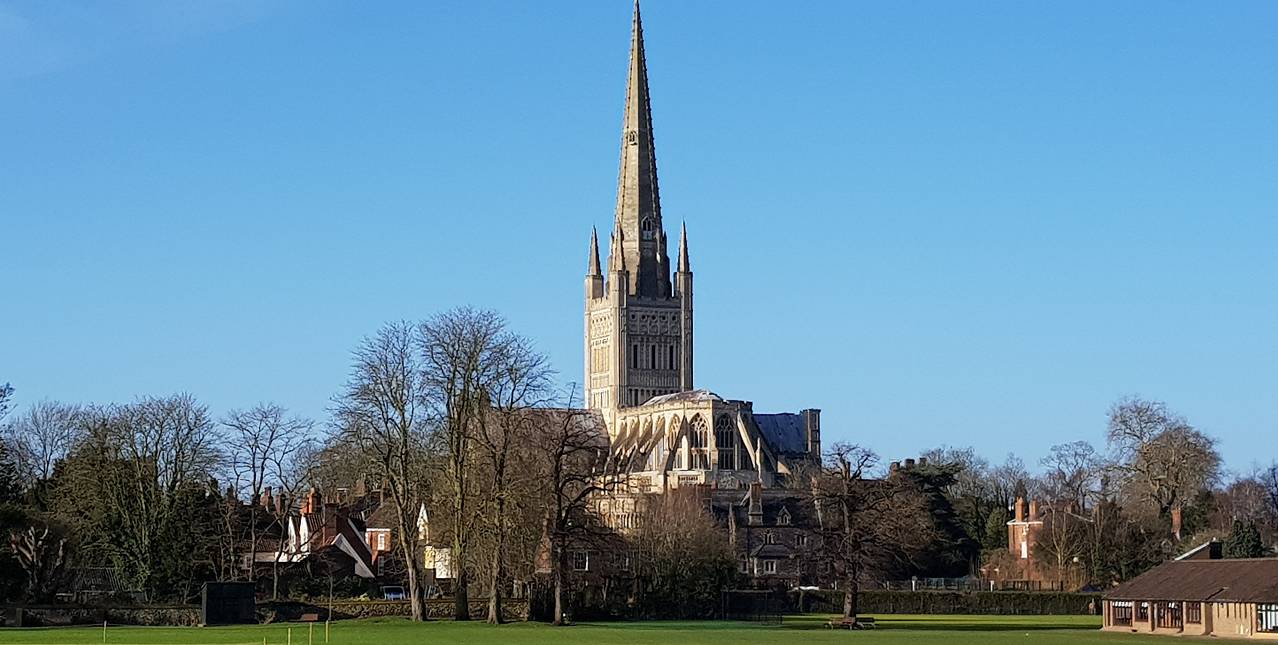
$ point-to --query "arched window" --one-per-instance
(698, 440)
(725, 438)
(646, 229)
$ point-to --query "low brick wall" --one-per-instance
(60, 615)
(441, 609)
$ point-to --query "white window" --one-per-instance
(769, 538)
(801, 540)
(581, 561)
(769, 566)
(745, 566)
(381, 541)
(1267, 618)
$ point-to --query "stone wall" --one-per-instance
(59, 615)
(513, 609)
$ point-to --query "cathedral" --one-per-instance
(664, 431)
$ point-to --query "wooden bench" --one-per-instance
(309, 618)
(839, 622)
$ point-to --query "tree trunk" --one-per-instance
(851, 600)
(494, 599)
(461, 600)
(559, 586)
(417, 609)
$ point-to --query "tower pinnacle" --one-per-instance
(684, 265)
(593, 268)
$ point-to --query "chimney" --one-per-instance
(909, 463)
(756, 503)
(267, 500)
(1033, 510)
(922, 461)
(1176, 521)
(1020, 509)
(894, 467)
(281, 504)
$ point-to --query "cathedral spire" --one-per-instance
(593, 268)
(638, 213)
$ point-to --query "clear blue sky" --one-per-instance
(942, 223)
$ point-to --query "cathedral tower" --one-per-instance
(638, 323)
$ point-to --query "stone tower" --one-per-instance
(638, 323)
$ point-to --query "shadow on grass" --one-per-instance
(804, 623)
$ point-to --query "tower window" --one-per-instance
(634, 355)
(653, 355)
(672, 360)
(646, 229)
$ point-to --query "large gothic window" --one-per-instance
(725, 438)
(698, 441)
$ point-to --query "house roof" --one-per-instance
(784, 431)
(1253, 580)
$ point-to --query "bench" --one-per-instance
(839, 622)
(309, 618)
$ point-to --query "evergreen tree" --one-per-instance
(995, 537)
(10, 484)
(1244, 541)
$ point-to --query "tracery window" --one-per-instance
(646, 229)
(725, 438)
(698, 440)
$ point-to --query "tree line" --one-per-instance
(460, 415)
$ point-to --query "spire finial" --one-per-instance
(593, 267)
(684, 265)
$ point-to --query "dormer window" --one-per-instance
(784, 518)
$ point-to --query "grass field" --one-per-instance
(923, 630)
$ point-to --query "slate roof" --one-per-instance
(1205, 580)
(784, 431)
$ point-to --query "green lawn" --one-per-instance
(808, 630)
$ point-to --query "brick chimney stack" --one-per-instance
(1177, 521)
(1020, 509)
(267, 500)
(1033, 511)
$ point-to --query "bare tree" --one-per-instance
(6, 397)
(572, 449)
(867, 525)
(1073, 473)
(1268, 479)
(520, 384)
(1063, 541)
(1158, 452)
(42, 436)
(381, 412)
(459, 364)
(264, 445)
(682, 557)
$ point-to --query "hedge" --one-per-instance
(955, 602)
